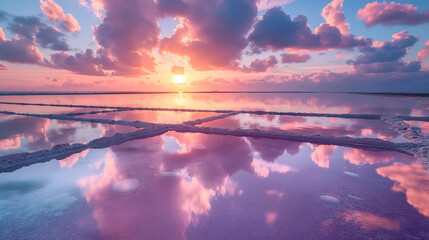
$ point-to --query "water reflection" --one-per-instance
(196, 186)
(185, 192)
(312, 125)
(294, 102)
(28, 134)
(411, 180)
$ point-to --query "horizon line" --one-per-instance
(17, 93)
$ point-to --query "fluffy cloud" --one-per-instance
(212, 33)
(263, 65)
(335, 17)
(392, 14)
(55, 14)
(424, 53)
(295, 58)
(81, 63)
(50, 37)
(277, 30)
(18, 50)
(33, 29)
(128, 40)
(125, 42)
(412, 180)
(387, 56)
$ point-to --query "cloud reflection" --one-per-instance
(412, 180)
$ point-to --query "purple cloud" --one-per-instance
(212, 33)
(128, 39)
(19, 50)
(387, 56)
(384, 67)
(25, 27)
(3, 67)
(50, 37)
(391, 14)
(32, 28)
(277, 31)
(263, 65)
(172, 8)
(81, 63)
(295, 58)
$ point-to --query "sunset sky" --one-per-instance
(224, 45)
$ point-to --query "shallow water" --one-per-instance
(203, 186)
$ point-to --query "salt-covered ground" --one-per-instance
(243, 166)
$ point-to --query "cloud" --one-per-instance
(359, 156)
(369, 221)
(128, 39)
(33, 29)
(3, 67)
(391, 14)
(25, 27)
(19, 50)
(95, 6)
(277, 30)
(424, 53)
(321, 154)
(339, 56)
(335, 17)
(295, 58)
(55, 14)
(331, 81)
(387, 56)
(3, 15)
(212, 33)
(50, 37)
(263, 65)
(172, 7)
(412, 180)
(81, 63)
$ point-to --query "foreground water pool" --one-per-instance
(184, 185)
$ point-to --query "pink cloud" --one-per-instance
(369, 221)
(212, 34)
(263, 65)
(295, 58)
(358, 156)
(391, 14)
(19, 50)
(82, 63)
(335, 17)
(339, 56)
(55, 14)
(321, 154)
(424, 53)
(126, 41)
(3, 67)
(412, 180)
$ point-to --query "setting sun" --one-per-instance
(179, 79)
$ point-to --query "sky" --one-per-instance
(223, 45)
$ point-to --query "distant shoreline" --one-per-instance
(169, 92)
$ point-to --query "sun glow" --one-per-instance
(179, 79)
